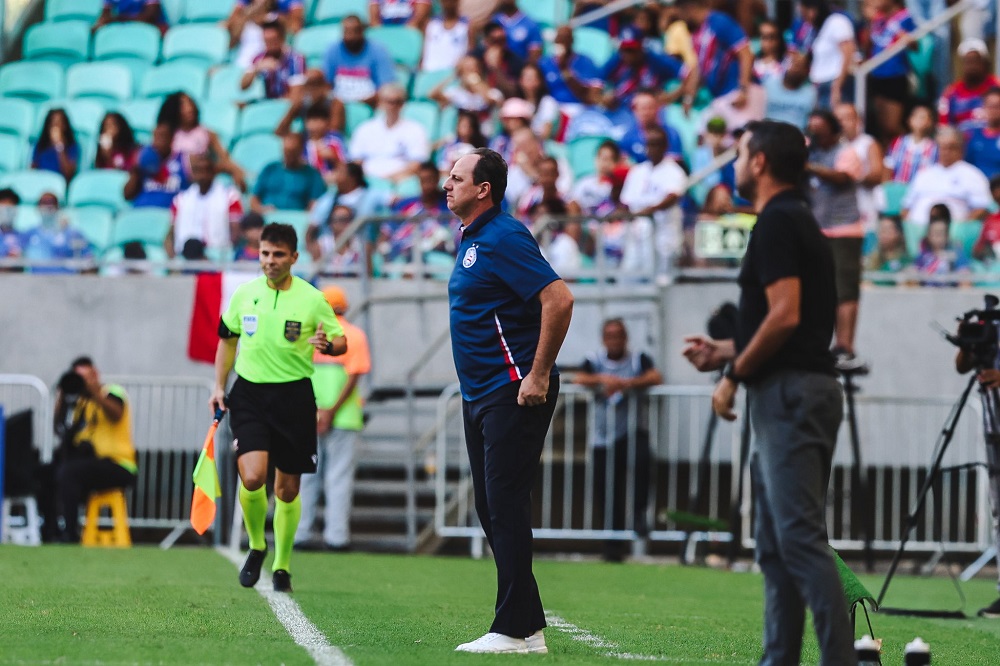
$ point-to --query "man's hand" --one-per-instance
(989, 379)
(90, 380)
(324, 420)
(218, 400)
(704, 353)
(319, 341)
(612, 385)
(533, 391)
(740, 99)
(723, 399)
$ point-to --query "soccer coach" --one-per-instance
(509, 315)
(788, 305)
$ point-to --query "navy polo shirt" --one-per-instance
(496, 316)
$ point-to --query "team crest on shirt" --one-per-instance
(250, 324)
(293, 329)
(469, 258)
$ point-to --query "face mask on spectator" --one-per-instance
(7, 215)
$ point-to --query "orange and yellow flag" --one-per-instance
(206, 482)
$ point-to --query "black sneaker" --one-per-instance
(282, 581)
(992, 611)
(250, 573)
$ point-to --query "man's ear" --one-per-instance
(485, 192)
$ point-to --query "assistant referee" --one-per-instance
(278, 321)
(788, 304)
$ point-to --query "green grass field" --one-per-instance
(69, 605)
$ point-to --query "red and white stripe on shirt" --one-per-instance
(206, 217)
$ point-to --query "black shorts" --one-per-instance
(896, 88)
(277, 418)
(847, 268)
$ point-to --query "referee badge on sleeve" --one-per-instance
(250, 324)
(293, 329)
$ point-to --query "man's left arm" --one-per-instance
(557, 310)
(112, 405)
(329, 338)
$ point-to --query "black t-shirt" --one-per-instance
(786, 242)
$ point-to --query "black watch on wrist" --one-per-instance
(329, 348)
(729, 372)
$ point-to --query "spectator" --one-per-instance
(632, 68)
(446, 39)
(938, 255)
(835, 171)
(290, 184)
(278, 65)
(869, 151)
(952, 181)
(653, 189)
(158, 174)
(468, 90)
(791, 96)
(119, 11)
(725, 61)
(468, 137)
(340, 420)
(245, 24)
(322, 244)
(565, 253)
(890, 82)
(515, 114)
(571, 77)
(422, 221)
(523, 34)
(500, 63)
(591, 121)
(390, 146)
(351, 190)
(914, 151)
(10, 239)
(772, 61)
(646, 114)
(57, 149)
(357, 67)
(890, 255)
(715, 141)
(209, 211)
(987, 247)
(832, 52)
(594, 194)
(982, 148)
(677, 37)
(315, 90)
(525, 168)
(325, 148)
(962, 101)
(620, 377)
(532, 89)
(411, 13)
(544, 188)
(116, 145)
(181, 113)
(53, 238)
(248, 240)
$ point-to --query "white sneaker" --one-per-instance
(493, 642)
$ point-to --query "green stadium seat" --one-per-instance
(126, 42)
(207, 11)
(104, 188)
(913, 234)
(299, 219)
(173, 10)
(425, 113)
(17, 117)
(425, 82)
(334, 11)
(262, 117)
(146, 225)
(94, 223)
(964, 234)
(65, 43)
(33, 81)
(141, 116)
(13, 152)
(546, 12)
(357, 113)
(404, 77)
(594, 43)
(314, 41)
(26, 218)
(222, 118)
(73, 10)
(99, 80)
(30, 184)
(922, 62)
(155, 253)
(172, 77)
(688, 126)
(408, 187)
(448, 121)
(893, 193)
(224, 86)
(310, 7)
(197, 43)
(253, 153)
(403, 43)
(581, 153)
(85, 115)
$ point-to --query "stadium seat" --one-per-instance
(448, 121)
(687, 125)
(94, 223)
(546, 12)
(173, 10)
(408, 187)
(65, 43)
(964, 234)
(262, 117)
(73, 10)
(99, 80)
(30, 184)
(223, 119)
(357, 113)
(103, 188)
(12, 152)
(172, 77)
(425, 82)
(893, 193)
(921, 63)
(403, 43)
(134, 44)
(913, 234)
(26, 218)
(141, 116)
(594, 43)
(314, 41)
(202, 44)
(425, 113)
(146, 225)
(224, 86)
(206, 11)
(33, 81)
(85, 115)
(17, 117)
(299, 219)
(255, 152)
(334, 11)
(581, 153)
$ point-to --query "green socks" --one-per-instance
(286, 522)
(254, 504)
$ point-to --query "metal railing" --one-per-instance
(19, 392)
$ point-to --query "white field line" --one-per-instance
(294, 620)
(610, 648)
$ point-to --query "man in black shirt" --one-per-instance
(788, 305)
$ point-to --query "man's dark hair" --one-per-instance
(492, 26)
(252, 220)
(274, 25)
(784, 147)
(8, 195)
(827, 117)
(656, 129)
(490, 168)
(280, 234)
(82, 362)
(614, 321)
(613, 147)
(357, 173)
(319, 109)
(995, 90)
(994, 182)
(429, 165)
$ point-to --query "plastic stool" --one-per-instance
(27, 534)
(119, 534)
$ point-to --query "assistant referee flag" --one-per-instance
(206, 482)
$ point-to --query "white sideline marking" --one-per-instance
(294, 620)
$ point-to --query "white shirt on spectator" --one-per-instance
(867, 203)
(647, 185)
(547, 112)
(206, 217)
(383, 150)
(961, 187)
(564, 254)
(590, 192)
(251, 45)
(827, 58)
(519, 182)
(444, 47)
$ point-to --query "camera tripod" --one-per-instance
(859, 478)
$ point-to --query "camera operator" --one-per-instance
(94, 423)
(988, 372)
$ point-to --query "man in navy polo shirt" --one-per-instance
(509, 316)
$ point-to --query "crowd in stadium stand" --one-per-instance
(318, 113)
